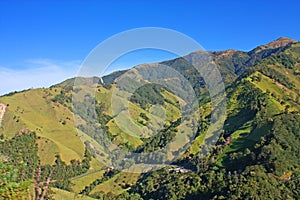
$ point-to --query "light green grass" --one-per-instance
(65, 195)
(235, 145)
(280, 91)
(91, 175)
(116, 183)
(80, 183)
(46, 150)
(35, 111)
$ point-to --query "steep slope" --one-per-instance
(34, 110)
(260, 139)
(259, 149)
(266, 90)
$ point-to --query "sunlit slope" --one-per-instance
(53, 123)
(275, 79)
(39, 110)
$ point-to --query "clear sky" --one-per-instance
(44, 42)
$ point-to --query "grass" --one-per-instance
(46, 149)
(126, 124)
(244, 135)
(34, 110)
(288, 73)
(245, 129)
(197, 143)
(232, 102)
(266, 83)
(280, 91)
(238, 139)
(82, 181)
(65, 195)
(122, 136)
(117, 184)
(102, 155)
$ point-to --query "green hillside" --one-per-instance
(258, 149)
(52, 122)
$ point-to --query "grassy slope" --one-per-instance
(280, 91)
(245, 136)
(116, 184)
(93, 173)
(34, 110)
(65, 195)
(129, 129)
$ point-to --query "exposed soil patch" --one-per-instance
(2, 111)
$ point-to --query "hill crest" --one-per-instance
(280, 42)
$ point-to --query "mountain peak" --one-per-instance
(280, 42)
(225, 52)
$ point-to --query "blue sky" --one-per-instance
(44, 42)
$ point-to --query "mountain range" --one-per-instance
(256, 155)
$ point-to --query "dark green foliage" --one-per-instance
(265, 166)
(164, 185)
(127, 196)
(280, 148)
(144, 116)
(250, 100)
(274, 155)
(286, 60)
(103, 118)
(284, 80)
(235, 63)
(147, 95)
(12, 185)
(21, 149)
(61, 172)
(20, 154)
(259, 54)
(160, 140)
(62, 98)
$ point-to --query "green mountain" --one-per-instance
(255, 157)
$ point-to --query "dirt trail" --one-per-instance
(2, 111)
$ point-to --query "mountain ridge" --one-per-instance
(257, 149)
(236, 67)
(282, 41)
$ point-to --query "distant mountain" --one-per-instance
(231, 63)
(280, 42)
(79, 80)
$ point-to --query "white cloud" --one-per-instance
(38, 73)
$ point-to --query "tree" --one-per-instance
(11, 186)
(41, 187)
